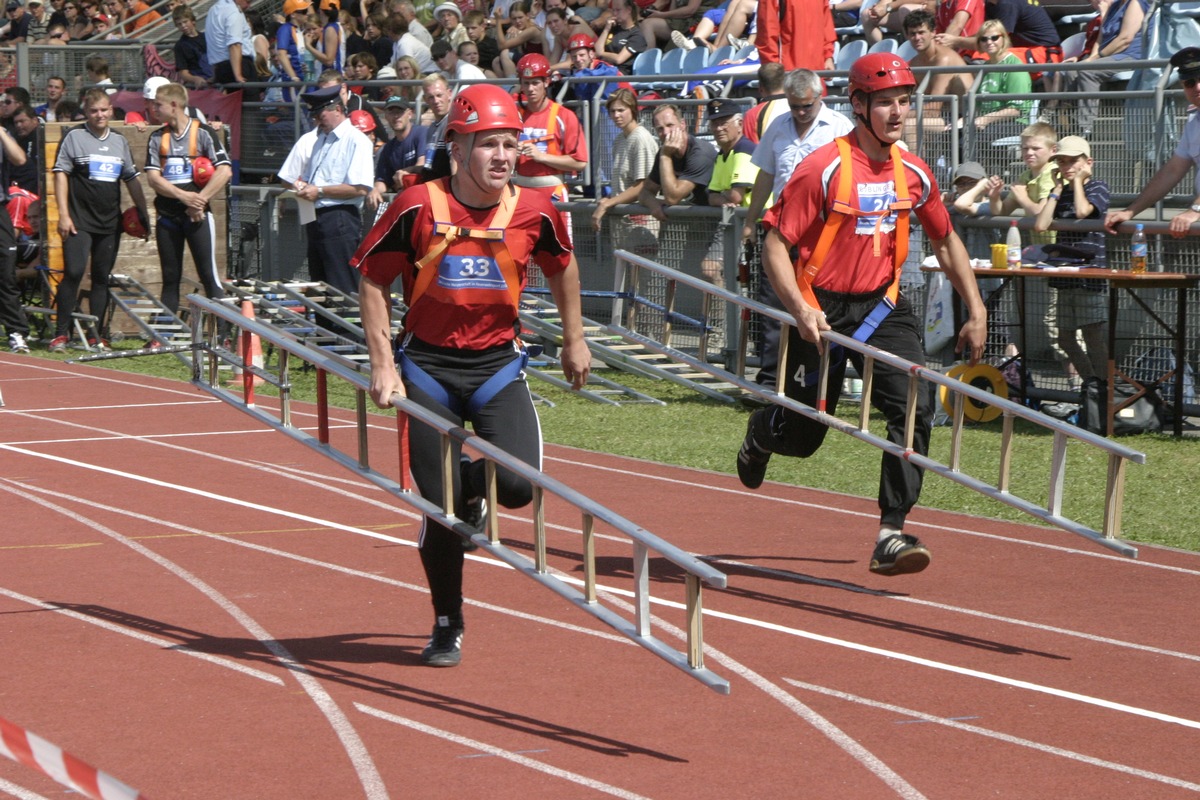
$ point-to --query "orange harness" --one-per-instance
(843, 210)
(477, 249)
(549, 137)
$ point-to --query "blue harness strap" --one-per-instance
(480, 398)
(864, 331)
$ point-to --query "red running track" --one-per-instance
(204, 609)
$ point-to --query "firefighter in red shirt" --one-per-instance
(552, 142)
(461, 246)
(846, 214)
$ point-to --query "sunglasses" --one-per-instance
(990, 38)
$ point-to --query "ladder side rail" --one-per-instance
(1115, 478)
(327, 365)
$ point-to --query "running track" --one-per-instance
(204, 609)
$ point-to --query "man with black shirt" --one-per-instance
(403, 155)
(18, 23)
(25, 125)
(1029, 26)
(13, 98)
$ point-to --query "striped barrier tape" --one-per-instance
(34, 751)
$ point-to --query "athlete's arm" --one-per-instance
(375, 305)
(953, 258)
(576, 359)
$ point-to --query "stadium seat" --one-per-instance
(725, 53)
(885, 46)
(906, 51)
(695, 60)
(646, 63)
(1191, 9)
(749, 51)
(850, 52)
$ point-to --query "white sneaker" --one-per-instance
(737, 43)
(16, 343)
(683, 42)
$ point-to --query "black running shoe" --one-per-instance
(899, 554)
(475, 515)
(752, 460)
(445, 644)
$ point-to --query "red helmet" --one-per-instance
(579, 40)
(483, 107)
(533, 65)
(202, 171)
(131, 223)
(877, 71)
(362, 120)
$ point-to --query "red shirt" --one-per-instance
(851, 266)
(405, 233)
(568, 139)
(947, 9)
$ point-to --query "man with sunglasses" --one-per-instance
(17, 28)
(1187, 65)
(784, 144)
(332, 167)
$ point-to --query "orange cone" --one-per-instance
(254, 356)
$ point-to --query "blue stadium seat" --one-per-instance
(721, 54)
(670, 64)
(749, 51)
(646, 63)
(884, 46)
(695, 60)
(906, 51)
(847, 55)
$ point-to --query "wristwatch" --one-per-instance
(1194, 208)
(320, 191)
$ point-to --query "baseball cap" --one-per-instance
(723, 107)
(13, 5)
(970, 169)
(292, 6)
(1073, 146)
(397, 102)
(1187, 62)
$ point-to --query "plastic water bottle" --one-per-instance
(1013, 243)
(1138, 251)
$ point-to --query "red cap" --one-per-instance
(133, 117)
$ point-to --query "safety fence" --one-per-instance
(352, 451)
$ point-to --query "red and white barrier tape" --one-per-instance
(34, 751)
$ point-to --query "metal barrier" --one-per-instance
(635, 312)
(207, 357)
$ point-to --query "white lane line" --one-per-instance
(371, 576)
(17, 791)
(112, 407)
(41, 366)
(874, 516)
(721, 615)
(885, 595)
(1003, 737)
(156, 438)
(157, 641)
(507, 755)
(360, 759)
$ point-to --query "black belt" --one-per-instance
(339, 207)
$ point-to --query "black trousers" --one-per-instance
(790, 434)
(332, 239)
(171, 235)
(12, 316)
(508, 420)
(101, 249)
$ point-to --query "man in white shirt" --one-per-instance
(453, 67)
(333, 168)
(784, 144)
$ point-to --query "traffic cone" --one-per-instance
(256, 356)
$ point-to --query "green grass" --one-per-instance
(1160, 498)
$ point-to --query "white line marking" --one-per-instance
(19, 792)
(41, 366)
(884, 595)
(1003, 737)
(157, 641)
(368, 775)
(508, 755)
(874, 516)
